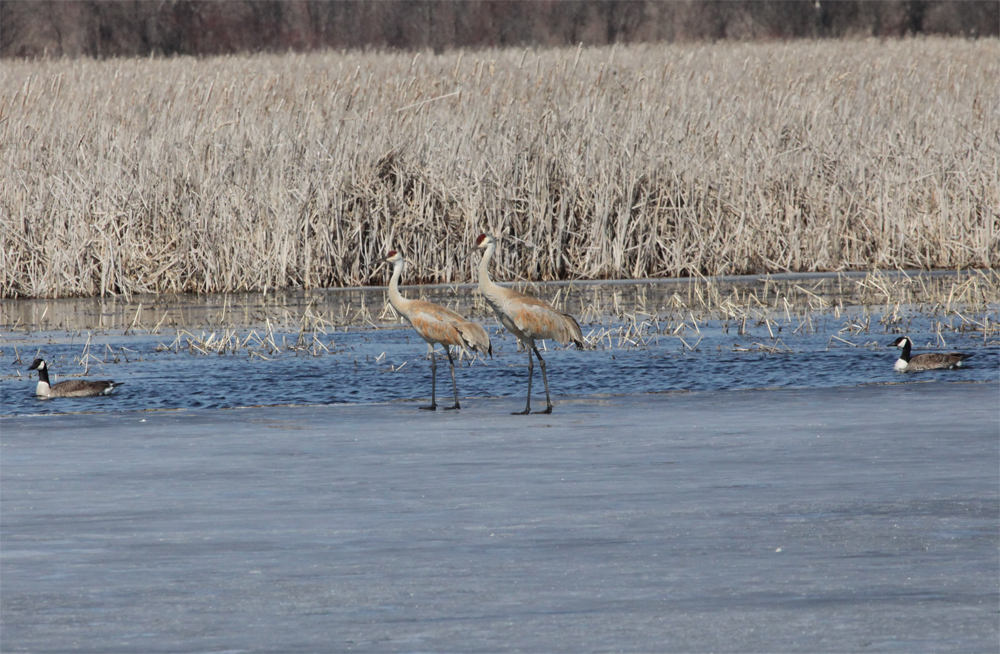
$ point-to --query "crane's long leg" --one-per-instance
(531, 367)
(430, 353)
(454, 385)
(541, 362)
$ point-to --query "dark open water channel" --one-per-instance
(646, 338)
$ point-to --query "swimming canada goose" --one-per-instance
(926, 361)
(70, 388)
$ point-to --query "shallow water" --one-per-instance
(379, 360)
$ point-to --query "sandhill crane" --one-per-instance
(526, 317)
(69, 388)
(436, 324)
(926, 361)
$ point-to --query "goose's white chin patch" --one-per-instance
(900, 364)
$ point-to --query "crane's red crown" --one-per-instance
(479, 241)
(391, 254)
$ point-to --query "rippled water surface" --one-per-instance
(352, 351)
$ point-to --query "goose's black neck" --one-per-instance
(905, 356)
(43, 374)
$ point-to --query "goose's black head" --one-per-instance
(37, 364)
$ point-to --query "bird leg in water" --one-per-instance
(454, 384)
(531, 367)
(541, 362)
(433, 406)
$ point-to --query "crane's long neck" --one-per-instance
(398, 302)
(486, 285)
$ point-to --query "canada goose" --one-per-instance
(70, 388)
(926, 361)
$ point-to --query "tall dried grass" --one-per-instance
(251, 173)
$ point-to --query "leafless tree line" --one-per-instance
(123, 28)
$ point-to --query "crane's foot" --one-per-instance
(547, 410)
(452, 408)
(521, 413)
(432, 407)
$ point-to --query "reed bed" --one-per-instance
(260, 172)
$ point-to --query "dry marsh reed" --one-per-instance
(252, 173)
(875, 303)
(761, 316)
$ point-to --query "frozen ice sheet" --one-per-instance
(834, 519)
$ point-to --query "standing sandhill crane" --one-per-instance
(435, 324)
(526, 317)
